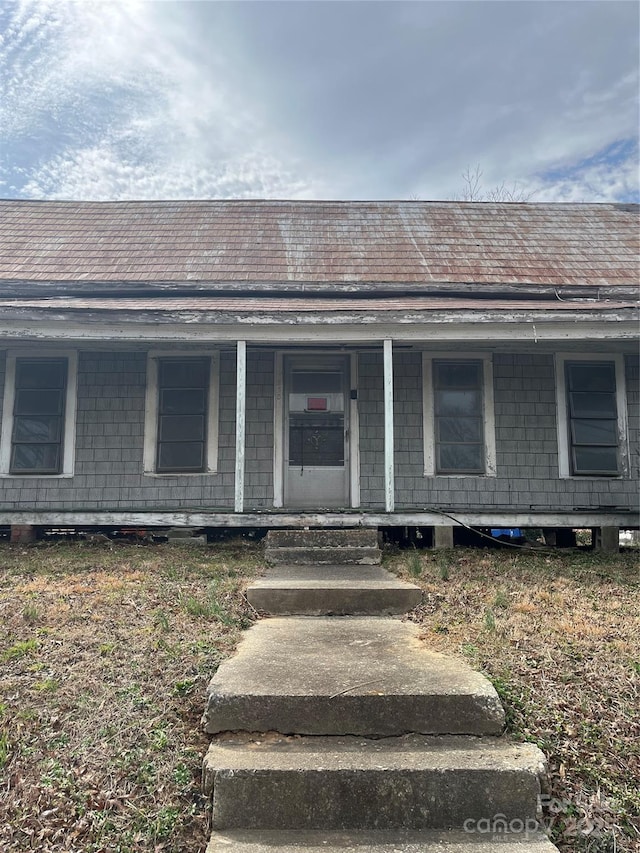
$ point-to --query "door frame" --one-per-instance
(280, 422)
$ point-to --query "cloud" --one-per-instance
(111, 107)
(315, 99)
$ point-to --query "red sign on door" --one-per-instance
(317, 404)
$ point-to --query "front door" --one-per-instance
(316, 464)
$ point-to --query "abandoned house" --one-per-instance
(338, 364)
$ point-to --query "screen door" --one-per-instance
(316, 431)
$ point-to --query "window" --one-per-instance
(38, 427)
(182, 414)
(458, 416)
(181, 417)
(590, 416)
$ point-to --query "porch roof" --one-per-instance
(428, 247)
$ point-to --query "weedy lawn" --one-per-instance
(105, 654)
(558, 634)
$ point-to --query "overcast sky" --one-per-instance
(117, 100)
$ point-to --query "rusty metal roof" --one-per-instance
(275, 305)
(132, 245)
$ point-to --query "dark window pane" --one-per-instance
(38, 416)
(182, 428)
(181, 456)
(35, 458)
(183, 373)
(457, 374)
(316, 440)
(40, 374)
(178, 402)
(595, 432)
(38, 402)
(43, 428)
(182, 410)
(459, 429)
(460, 458)
(595, 460)
(315, 382)
(455, 403)
(592, 405)
(591, 376)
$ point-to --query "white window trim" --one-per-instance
(428, 411)
(70, 411)
(151, 412)
(562, 414)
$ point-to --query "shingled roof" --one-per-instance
(283, 245)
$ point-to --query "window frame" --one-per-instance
(69, 413)
(429, 415)
(152, 402)
(563, 419)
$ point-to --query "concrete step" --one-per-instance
(357, 675)
(358, 537)
(412, 782)
(323, 555)
(398, 841)
(332, 591)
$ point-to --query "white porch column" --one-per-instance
(389, 489)
(241, 405)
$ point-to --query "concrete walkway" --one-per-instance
(346, 733)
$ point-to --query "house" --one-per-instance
(283, 364)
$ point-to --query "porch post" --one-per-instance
(241, 401)
(388, 427)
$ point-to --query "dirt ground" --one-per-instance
(106, 652)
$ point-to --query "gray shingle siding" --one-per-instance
(526, 442)
(110, 436)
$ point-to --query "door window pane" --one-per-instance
(316, 382)
(182, 414)
(38, 416)
(459, 424)
(593, 417)
(316, 440)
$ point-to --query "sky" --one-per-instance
(319, 100)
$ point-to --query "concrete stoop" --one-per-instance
(345, 733)
(323, 547)
(410, 782)
(334, 591)
(347, 676)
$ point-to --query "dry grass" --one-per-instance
(559, 636)
(106, 653)
(105, 657)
